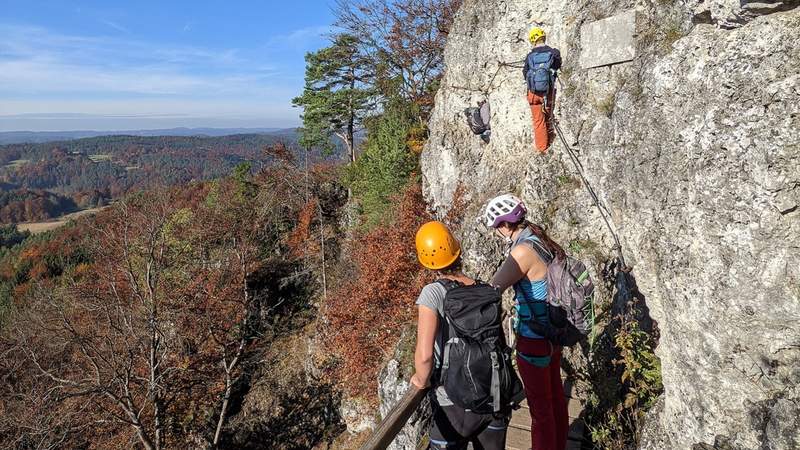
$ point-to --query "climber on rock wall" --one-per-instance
(538, 359)
(540, 69)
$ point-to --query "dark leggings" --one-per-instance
(454, 428)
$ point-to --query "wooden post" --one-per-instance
(395, 420)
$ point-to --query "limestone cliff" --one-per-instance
(694, 147)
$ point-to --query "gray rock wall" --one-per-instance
(694, 147)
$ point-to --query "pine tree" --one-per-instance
(337, 95)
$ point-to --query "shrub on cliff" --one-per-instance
(365, 315)
(384, 167)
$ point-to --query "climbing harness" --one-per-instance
(600, 206)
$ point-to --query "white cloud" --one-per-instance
(42, 72)
(302, 37)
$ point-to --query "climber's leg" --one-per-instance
(540, 138)
(560, 411)
(448, 428)
(538, 390)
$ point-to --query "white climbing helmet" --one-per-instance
(504, 208)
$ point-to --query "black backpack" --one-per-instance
(476, 367)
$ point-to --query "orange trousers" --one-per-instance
(542, 129)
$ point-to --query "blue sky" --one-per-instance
(116, 65)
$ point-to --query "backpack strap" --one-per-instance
(446, 328)
(495, 386)
(543, 253)
(448, 283)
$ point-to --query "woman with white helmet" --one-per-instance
(538, 360)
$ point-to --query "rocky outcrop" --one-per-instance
(735, 13)
(694, 148)
(393, 385)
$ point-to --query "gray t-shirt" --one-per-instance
(432, 296)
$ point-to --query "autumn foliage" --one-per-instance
(406, 40)
(366, 314)
(139, 326)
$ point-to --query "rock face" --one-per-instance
(735, 13)
(393, 384)
(608, 41)
(694, 148)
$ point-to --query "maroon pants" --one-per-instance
(545, 394)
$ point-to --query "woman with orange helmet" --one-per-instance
(453, 426)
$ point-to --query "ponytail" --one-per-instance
(548, 243)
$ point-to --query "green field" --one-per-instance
(17, 162)
(100, 157)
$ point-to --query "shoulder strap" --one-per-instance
(546, 256)
(448, 283)
(447, 332)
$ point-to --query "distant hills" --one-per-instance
(46, 179)
(19, 137)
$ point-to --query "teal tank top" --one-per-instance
(530, 298)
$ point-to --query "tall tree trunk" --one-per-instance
(154, 359)
(229, 368)
(352, 119)
(350, 139)
(154, 388)
(224, 411)
(146, 442)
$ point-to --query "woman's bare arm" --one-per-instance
(427, 324)
(514, 268)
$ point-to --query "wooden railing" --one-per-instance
(394, 421)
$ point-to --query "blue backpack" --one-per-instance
(540, 72)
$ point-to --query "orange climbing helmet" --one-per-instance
(436, 246)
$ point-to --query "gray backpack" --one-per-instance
(570, 297)
(478, 117)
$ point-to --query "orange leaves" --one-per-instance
(299, 240)
(280, 152)
(32, 252)
(365, 315)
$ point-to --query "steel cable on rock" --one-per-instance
(600, 206)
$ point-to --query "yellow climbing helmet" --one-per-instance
(536, 34)
(436, 246)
